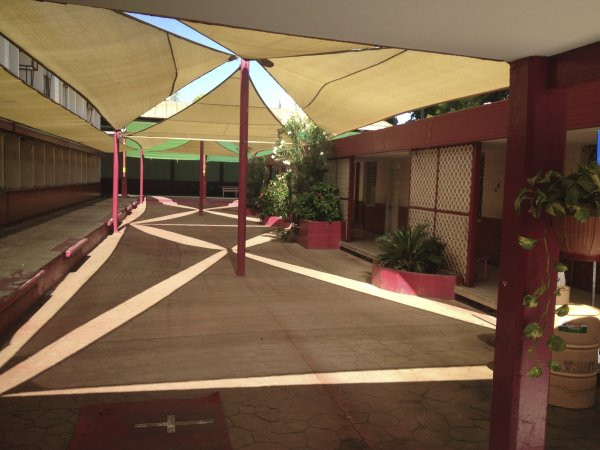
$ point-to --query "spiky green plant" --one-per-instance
(412, 249)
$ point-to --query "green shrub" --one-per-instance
(412, 249)
(275, 199)
(320, 201)
(258, 175)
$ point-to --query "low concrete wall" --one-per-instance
(25, 203)
(413, 283)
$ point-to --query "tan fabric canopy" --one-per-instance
(344, 91)
(122, 66)
(211, 148)
(260, 45)
(19, 103)
(216, 117)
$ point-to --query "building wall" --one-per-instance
(170, 177)
(35, 75)
(38, 176)
(375, 217)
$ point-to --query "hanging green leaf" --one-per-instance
(530, 301)
(554, 366)
(533, 331)
(556, 344)
(555, 209)
(562, 311)
(534, 372)
(582, 214)
(527, 243)
(557, 292)
(560, 267)
(540, 290)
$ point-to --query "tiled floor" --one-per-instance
(304, 353)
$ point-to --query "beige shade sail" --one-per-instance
(211, 148)
(216, 117)
(344, 91)
(122, 66)
(22, 104)
(251, 44)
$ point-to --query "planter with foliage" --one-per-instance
(313, 203)
(410, 261)
(572, 202)
(317, 212)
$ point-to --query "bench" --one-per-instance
(229, 189)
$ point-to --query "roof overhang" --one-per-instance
(501, 30)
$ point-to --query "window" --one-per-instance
(370, 182)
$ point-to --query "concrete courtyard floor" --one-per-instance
(303, 352)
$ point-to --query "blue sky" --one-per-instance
(268, 88)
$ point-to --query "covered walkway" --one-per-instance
(303, 352)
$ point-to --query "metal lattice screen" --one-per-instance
(441, 185)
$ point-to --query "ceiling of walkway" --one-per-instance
(503, 30)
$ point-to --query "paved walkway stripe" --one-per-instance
(412, 301)
(231, 216)
(100, 326)
(176, 237)
(416, 375)
(65, 290)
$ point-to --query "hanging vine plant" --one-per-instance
(553, 194)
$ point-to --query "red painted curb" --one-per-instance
(413, 283)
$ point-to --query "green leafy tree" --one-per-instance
(258, 176)
(319, 202)
(304, 148)
(275, 199)
(456, 105)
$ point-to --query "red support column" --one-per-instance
(351, 189)
(141, 176)
(115, 193)
(201, 192)
(124, 179)
(536, 141)
(243, 169)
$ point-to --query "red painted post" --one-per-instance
(536, 141)
(141, 176)
(115, 193)
(124, 178)
(351, 190)
(201, 192)
(243, 169)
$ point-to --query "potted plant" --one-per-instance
(304, 148)
(572, 202)
(410, 262)
(317, 213)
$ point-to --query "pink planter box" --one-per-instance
(413, 283)
(276, 221)
(319, 235)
